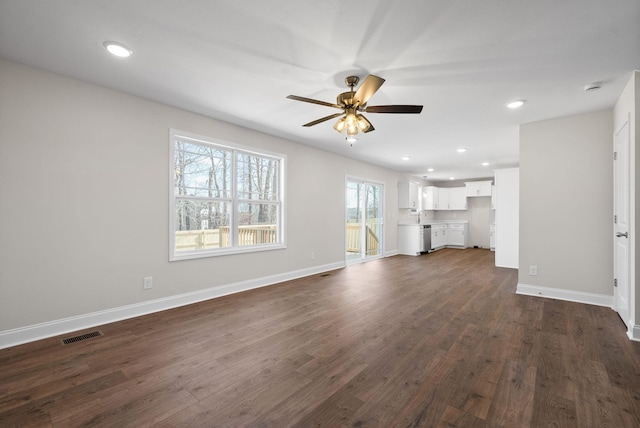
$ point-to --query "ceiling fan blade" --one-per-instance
(324, 119)
(394, 109)
(312, 101)
(369, 87)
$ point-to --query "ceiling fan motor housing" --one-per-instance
(351, 81)
(345, 99)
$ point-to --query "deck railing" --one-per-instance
(188, 240)
(354, 238)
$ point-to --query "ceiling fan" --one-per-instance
(352, 103)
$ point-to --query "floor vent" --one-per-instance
(81, 337)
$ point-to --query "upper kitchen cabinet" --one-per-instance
(452, 198)
(443, 198)
(430, 198)
(409, 195)
(457, 198)
(478, 188)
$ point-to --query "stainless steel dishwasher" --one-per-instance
(426, 238)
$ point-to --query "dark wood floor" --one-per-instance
(435, 341)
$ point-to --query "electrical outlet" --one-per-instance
(312, 256)
(533, 270)
(147, 283)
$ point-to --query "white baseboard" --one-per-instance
(568, 295)
(634, 333)
(35, 332)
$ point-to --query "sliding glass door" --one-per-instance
(364, 220)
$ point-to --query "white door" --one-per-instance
(364, 220)
(621, 238)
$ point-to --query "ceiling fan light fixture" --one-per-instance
(340, 125)
(351, 138)
(362, 123)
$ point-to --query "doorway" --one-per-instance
(621, 210)
(364, 220)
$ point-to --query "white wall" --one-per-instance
(507, 217)
(480, 219)
(84, 211)
(566, 206)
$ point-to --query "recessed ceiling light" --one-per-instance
(515, 104)
(485, 164)
(118, 49)
(405, 158)
(452, 178)
(430, 170)
(461, 150)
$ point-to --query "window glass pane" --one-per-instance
(257, 223)
(202, 225)
(257, 178)
(202, 170)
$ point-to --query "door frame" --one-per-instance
(363, 256)
(622, 260)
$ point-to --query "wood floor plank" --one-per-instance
(453, 417)
(513, 401)
(440, 340)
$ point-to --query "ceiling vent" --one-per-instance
(593, 86)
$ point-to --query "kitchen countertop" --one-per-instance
(453, 221)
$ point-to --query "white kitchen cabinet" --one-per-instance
(430, 198)
(457, 198)
(457, 236)
(452, 198)
(408, 195)
(410, 239)
(438, 236)
(443, 198)
(478, 188)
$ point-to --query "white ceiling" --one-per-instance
(238, 60)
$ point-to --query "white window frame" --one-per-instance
(234, 248)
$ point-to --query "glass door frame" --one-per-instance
(362, 256)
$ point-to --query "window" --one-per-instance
(224, 198)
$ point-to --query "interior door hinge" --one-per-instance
(615, 219)
(615, 155)
(615, 282)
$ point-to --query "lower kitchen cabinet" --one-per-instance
(410, 239)
(411, 242)
(438, 236)
(448, 235)
(457, 235)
